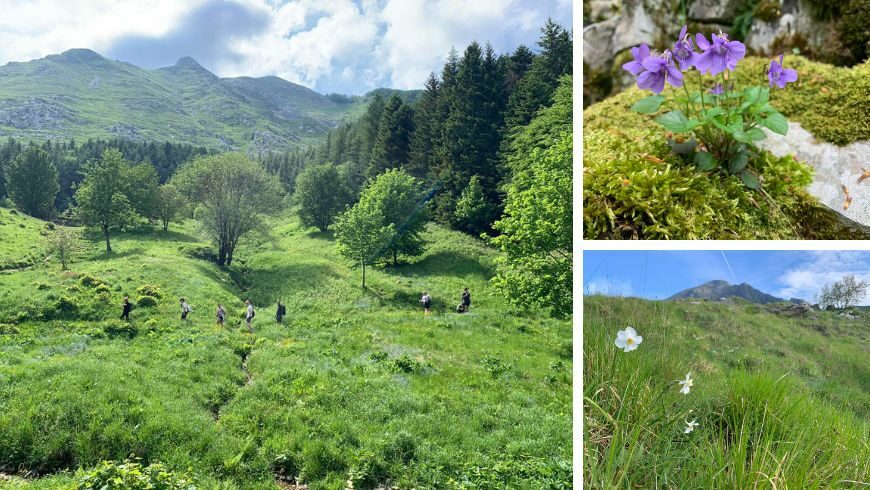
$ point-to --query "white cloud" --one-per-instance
(609, 287)
(339, 45)
(823, 267)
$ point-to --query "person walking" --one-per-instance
(426, 301)
(221, 314)
(125, 314)
(249, 314)
(466, 300)
(185, 309)
(280, 312)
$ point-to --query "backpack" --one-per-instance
(253, 313)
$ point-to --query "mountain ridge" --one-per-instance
(718, 288)
(81, 94)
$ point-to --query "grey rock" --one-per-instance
(601, 10)
(598, 43)
(835, 166)
(126, 131)
(721, 11)
(796, 19)
(34, 113)
(636, 26)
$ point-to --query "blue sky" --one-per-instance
(785, 274)
(345, 46)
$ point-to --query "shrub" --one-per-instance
(201, 252)
(149, 290)
(146, 301)
(404, 364)
(151, 325)
(368, 471)
(401, 448)
(495, 366)
(102, 288)
(64, 307)
(131, 475)
(8, 329)
(120, 328)
(90, 281)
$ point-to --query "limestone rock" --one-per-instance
(835, 167)
(598, 43)
(601, 10)
(722, 11)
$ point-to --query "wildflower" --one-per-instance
(717, 89)
(719, 55)
(779, 76)
(628, 339)
(686, 383)
(690, 426)
(684, 52)
(658, 70)
(639, 53)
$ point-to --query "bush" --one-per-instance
(368, 471)
(149, 290)
(201, 252)
(120, 328)
(152, 325)
(102, 288)
(495, 366)
(90, 281)
(65, 307)
(404, 364)
(131, 475)
(146, 301)
(8, 329)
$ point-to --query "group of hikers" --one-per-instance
(462, 307)
(281, 310)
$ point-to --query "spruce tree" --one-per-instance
(427, 128)
(392, 145)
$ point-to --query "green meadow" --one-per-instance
(781, 400)
(356, 387)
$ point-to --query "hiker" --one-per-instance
(249, 314)
(466, 302)
(221, 314)
(426, 300)
(125, 315)
(185, 309)
(280, 312)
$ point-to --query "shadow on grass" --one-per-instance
(316, 234)
(443, 263)
(130, 252)
(265, 286)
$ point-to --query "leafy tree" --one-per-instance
(167, 204)
(64, 245)
(31, 181)
(233, 193)
(361, 235)
(100, 198)
(392, 145)
(843, 293)
(321, 194)
(399, 201)
(473, 213)
(140, 187)
(535, 268)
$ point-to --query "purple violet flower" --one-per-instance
(779, 76)
(684, 52)
(719, 55)
(658, 70)
(639, 53)
(717, 89)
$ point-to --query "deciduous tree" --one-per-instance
(31, 181)
(100, 199)
(321, 194)
(361, 235)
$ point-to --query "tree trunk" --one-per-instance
(229, 256)
(165, 225)
(222, 256)
(395, 257)
(364, 274)
(106, 234)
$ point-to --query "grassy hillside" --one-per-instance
(355, 385)
(782, 401)
(20, 237)
(79, 94)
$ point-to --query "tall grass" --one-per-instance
(763, 424)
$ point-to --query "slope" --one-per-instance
(80, 94)
(717, 289)
(781, 400)
(355, 385)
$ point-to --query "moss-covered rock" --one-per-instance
(634, 187)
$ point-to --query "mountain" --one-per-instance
(723, 289)
(81, 94)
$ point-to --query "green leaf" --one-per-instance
(753, 134)
(674, 121)
(649, 104)
(750, 180)
(775, 122)
(738, 162)
(704, 161)
(716, 111)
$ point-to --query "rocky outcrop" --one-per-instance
(126, 131)
(34, 113)
(714, 11)
(794, 24)
(835, 167)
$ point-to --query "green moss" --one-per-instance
(635, 188)
(768, 11)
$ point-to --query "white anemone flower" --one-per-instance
(690, 426)
(628, 339)
(686, 383)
